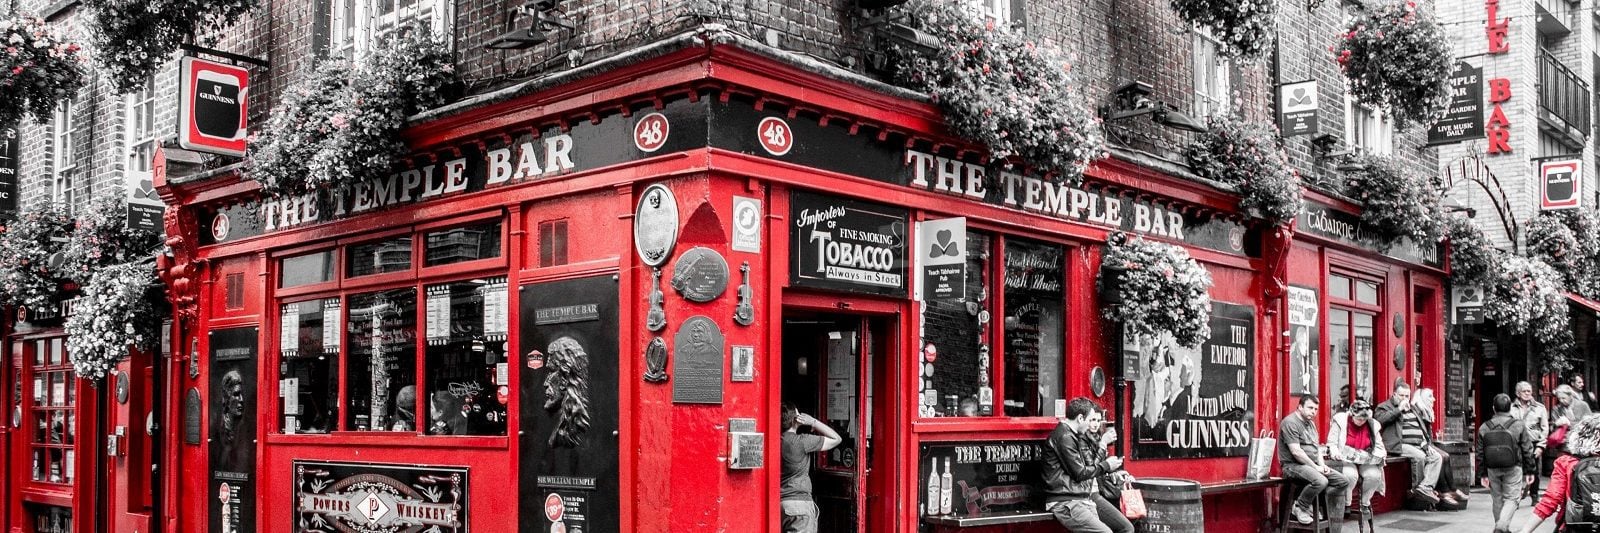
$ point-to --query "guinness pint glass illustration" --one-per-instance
(216, 105)
(1561, 186)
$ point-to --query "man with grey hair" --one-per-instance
(1536, 420)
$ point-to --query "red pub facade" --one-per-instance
(580, 305)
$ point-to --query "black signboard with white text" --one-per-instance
(361, 498)
(1464, 119)
(1325, 221)
(10, 146)
(569, 407)
(985, 476)
(232, 494)
(1197, 402)
(847, 245)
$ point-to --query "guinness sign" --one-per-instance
(212, 117)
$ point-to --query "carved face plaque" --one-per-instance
(655, 225)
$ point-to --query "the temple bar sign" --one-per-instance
(212, 116)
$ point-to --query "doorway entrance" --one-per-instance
(836, 367)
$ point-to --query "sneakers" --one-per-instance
(1301, 514)
(1427, 495)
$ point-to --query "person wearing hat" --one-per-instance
(1355, 445)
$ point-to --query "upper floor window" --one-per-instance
(63, 145)
(356, 26)
(1368, 129)
(1211, 87)
(140, 128)
(998, 11)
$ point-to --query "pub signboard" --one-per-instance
(212, 97)
(1192, 402)
(847, 245)
(1463, 121)
(376, 498)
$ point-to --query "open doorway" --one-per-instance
(835, 369)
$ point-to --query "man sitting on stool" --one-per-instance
(1405, 434)
(1301, 459)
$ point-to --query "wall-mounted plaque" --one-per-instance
(744, 314)
(232, 428)
(700, 275)
(1097, 382)
(655, 225)
(191, 416)
(744, 363)
(1399, 325)
(1399, 357)
(372, 497)
(656, 317)
(655, 361)
(122, 388)
(697, 362)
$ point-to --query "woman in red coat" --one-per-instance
(1583, 440)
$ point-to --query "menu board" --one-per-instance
(1035, 326)
(985, 477)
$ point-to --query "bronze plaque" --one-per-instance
(697, 362)
(655, 225)
(122, 388)
(191, 416)
(655, 361)
(700, 275)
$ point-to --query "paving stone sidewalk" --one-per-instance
(1474, 519)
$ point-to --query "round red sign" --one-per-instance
(930, 353)
(650, 134)
(775, 135)
(224, 492)
(554, 507)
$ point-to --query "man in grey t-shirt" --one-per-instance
(1302, 459)
(794, 486)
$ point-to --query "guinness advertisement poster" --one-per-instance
(373, 498)
(569, 407)
(232, 494)
(1196, 402)
(846, 245)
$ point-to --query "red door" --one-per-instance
(50, 451)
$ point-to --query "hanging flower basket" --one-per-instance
(1473, 260)
(1527, 297)
(1396, 203)
(1553, 242)
(1000, 89)
(1248, 156)
(26, 247)
(343, 125)
(133, 38)
(102, 237)
(39, 69)
(115, 313)
(1159, 289)
(1396, 57)
(1244, 27)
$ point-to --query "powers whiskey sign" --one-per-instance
(370, 498)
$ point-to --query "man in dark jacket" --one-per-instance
(1505, 451)
(1072, 470)
(1405, 434)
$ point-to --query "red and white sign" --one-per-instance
(212, 117)
(1563, 184)
(554, 507)
(224, 493)
(650, 134)
(775, 135)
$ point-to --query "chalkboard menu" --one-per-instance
(1035, 327)
(985, 476)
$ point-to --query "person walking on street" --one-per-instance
(794, 486)
(1300, 458)
(1355, 445)
(1568, 410)
(1405, 434)
(1072, 471)
(1536, 420)
(1505, 452)
(1583, 442)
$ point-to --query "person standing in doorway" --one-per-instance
(1072, 470)
(1301, 458)
(1536, 420)
(794, 486)
(1577, 383)
(1505, 452)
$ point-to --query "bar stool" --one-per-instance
(1321, 521)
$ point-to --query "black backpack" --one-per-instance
(1583, 494)
(1500, 446)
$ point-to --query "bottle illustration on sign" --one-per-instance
(933, 486)
(945, 489)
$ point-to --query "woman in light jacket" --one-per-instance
(1355, 444)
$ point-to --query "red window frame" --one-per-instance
(45, 362)
(1352, 305)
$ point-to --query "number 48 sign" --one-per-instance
(775, 135)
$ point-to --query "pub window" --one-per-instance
(553, 243)
(1034, 327)
(308, 366)
(1354, 306)
(381, 361)
(315, 267)
(1210, 75)
(357, 26)
(957, 332)
(466, 364)
(466, 243)
(378, 257)
(52, 413)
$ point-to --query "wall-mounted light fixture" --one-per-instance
(543, 19)
(1323, 148)
(1133, 99)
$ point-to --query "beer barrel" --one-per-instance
(1171, 505)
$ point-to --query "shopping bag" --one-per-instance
(1261, 451)
(1132, 503)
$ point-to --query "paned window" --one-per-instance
(315, 267)
(1370, 129)
(63, 146)
(378, 257)
(1354, 305)
(51, 413)
(141, 129)
(1211, 82)
(357, 26)
(382, 360)
(997, 11)
(466, 243)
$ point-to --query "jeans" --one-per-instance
(1370, 476)
(1505, 490)
(1425, 465)
(799, 516)
(1090, 515)
(1331, 486)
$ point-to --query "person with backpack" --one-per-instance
(1574, 483)
(1505, 450)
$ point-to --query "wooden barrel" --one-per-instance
(1172, 505)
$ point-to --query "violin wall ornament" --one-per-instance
(745, 313)
(657, 316)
